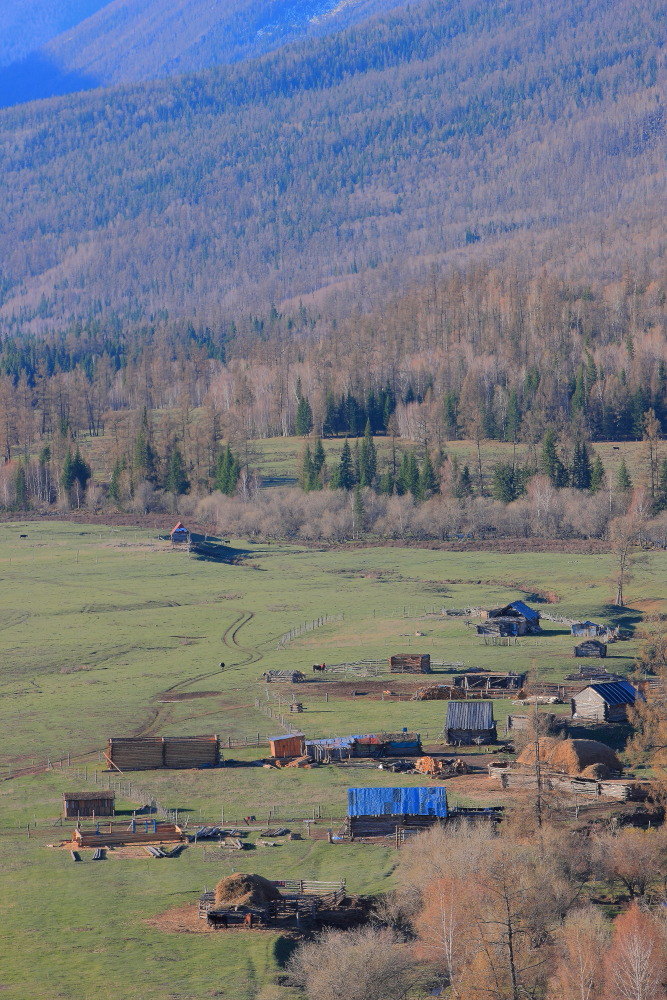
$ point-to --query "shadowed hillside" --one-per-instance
(428, 131)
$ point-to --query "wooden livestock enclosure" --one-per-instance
(283, 677)
(591, 647)
(490, 682)
(410, 663)
(605, 702)
(470, 723)
(290, 745)
(89, 803)
(147, 831)
(544, 721)
(138, 753)
(619, 789)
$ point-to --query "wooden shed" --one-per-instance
(179, 534)
(586, 630)
(606, 702)
(287, 745)
(140, 753)
(526, 619)
(89, 803)
(470, 723)
(410, 663)
(591, 647)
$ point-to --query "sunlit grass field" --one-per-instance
(98, 623)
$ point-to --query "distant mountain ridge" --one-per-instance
(54, 47)
(423, 133)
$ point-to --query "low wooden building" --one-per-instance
(179, 534)
(588, 630)
(140, 753)
(591, 647)
(516, 618)
(606, 702)
(80, 804)
(288, 745)
(410, 663)
(470, 723)
(379, 811)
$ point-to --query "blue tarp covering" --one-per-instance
(430, 801)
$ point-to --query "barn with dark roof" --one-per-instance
(605, 702)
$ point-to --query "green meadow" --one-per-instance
(102, 626)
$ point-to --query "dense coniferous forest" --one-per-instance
(432, 133)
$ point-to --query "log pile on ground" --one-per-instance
(573, 756)
(245, 890)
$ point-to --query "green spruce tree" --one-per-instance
(21, 498)
(623, 480)
(580, 472)
(227, 473)
(597, 475)
(367, 458)
(176, 480)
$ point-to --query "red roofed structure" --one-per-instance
(179, 533)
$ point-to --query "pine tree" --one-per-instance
(67, 474)
(450, 415)
(306, 474)
(319, 465)
(428, 481)
(115, 492)
(367, 458)
(407, 480)
(661, 496)
(550, 463)
(463, 486)
(580, 473)
(343, 477)
(145, 459)
(597, 475)
(386, 484)
(505, 482)
(623, 481)
(21, 501)
(176, 480)
(304, 417)
(227, 472)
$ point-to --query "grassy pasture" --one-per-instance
(99, 623)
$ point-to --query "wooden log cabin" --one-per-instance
(137, 753)
(287, 746)
(470, 723)
(80, 804)
(410, 663)
(606, 702)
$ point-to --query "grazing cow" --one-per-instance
(319, 666)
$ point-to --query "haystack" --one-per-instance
(435, 692)
(600, 772)
(571, 756)
(245, 890)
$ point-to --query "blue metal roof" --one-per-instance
(616, 692)
(430, 801)
(470, 715)
(524, 610)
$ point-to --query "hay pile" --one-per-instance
(572, 756)
(598, 771)
(245, 890)
(435, 692)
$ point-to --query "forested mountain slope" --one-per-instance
(60, 47)
(424, 131)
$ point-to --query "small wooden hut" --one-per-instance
(410, 663)
(79, 804)
(585, 630)
(606, 702)
(470, 723)
(288, 745)
(179, 534)
(591, 647)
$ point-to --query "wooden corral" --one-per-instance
(604, 702)
(139, 753)
(250, 901)
(621, 790)
(89, 803)
(136, 832)
(591, 647)
(410, 663)
(283, 677)
(546, 721)
(470, 723)
(289, 745)
(483, 681)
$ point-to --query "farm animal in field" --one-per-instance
(319, 666)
